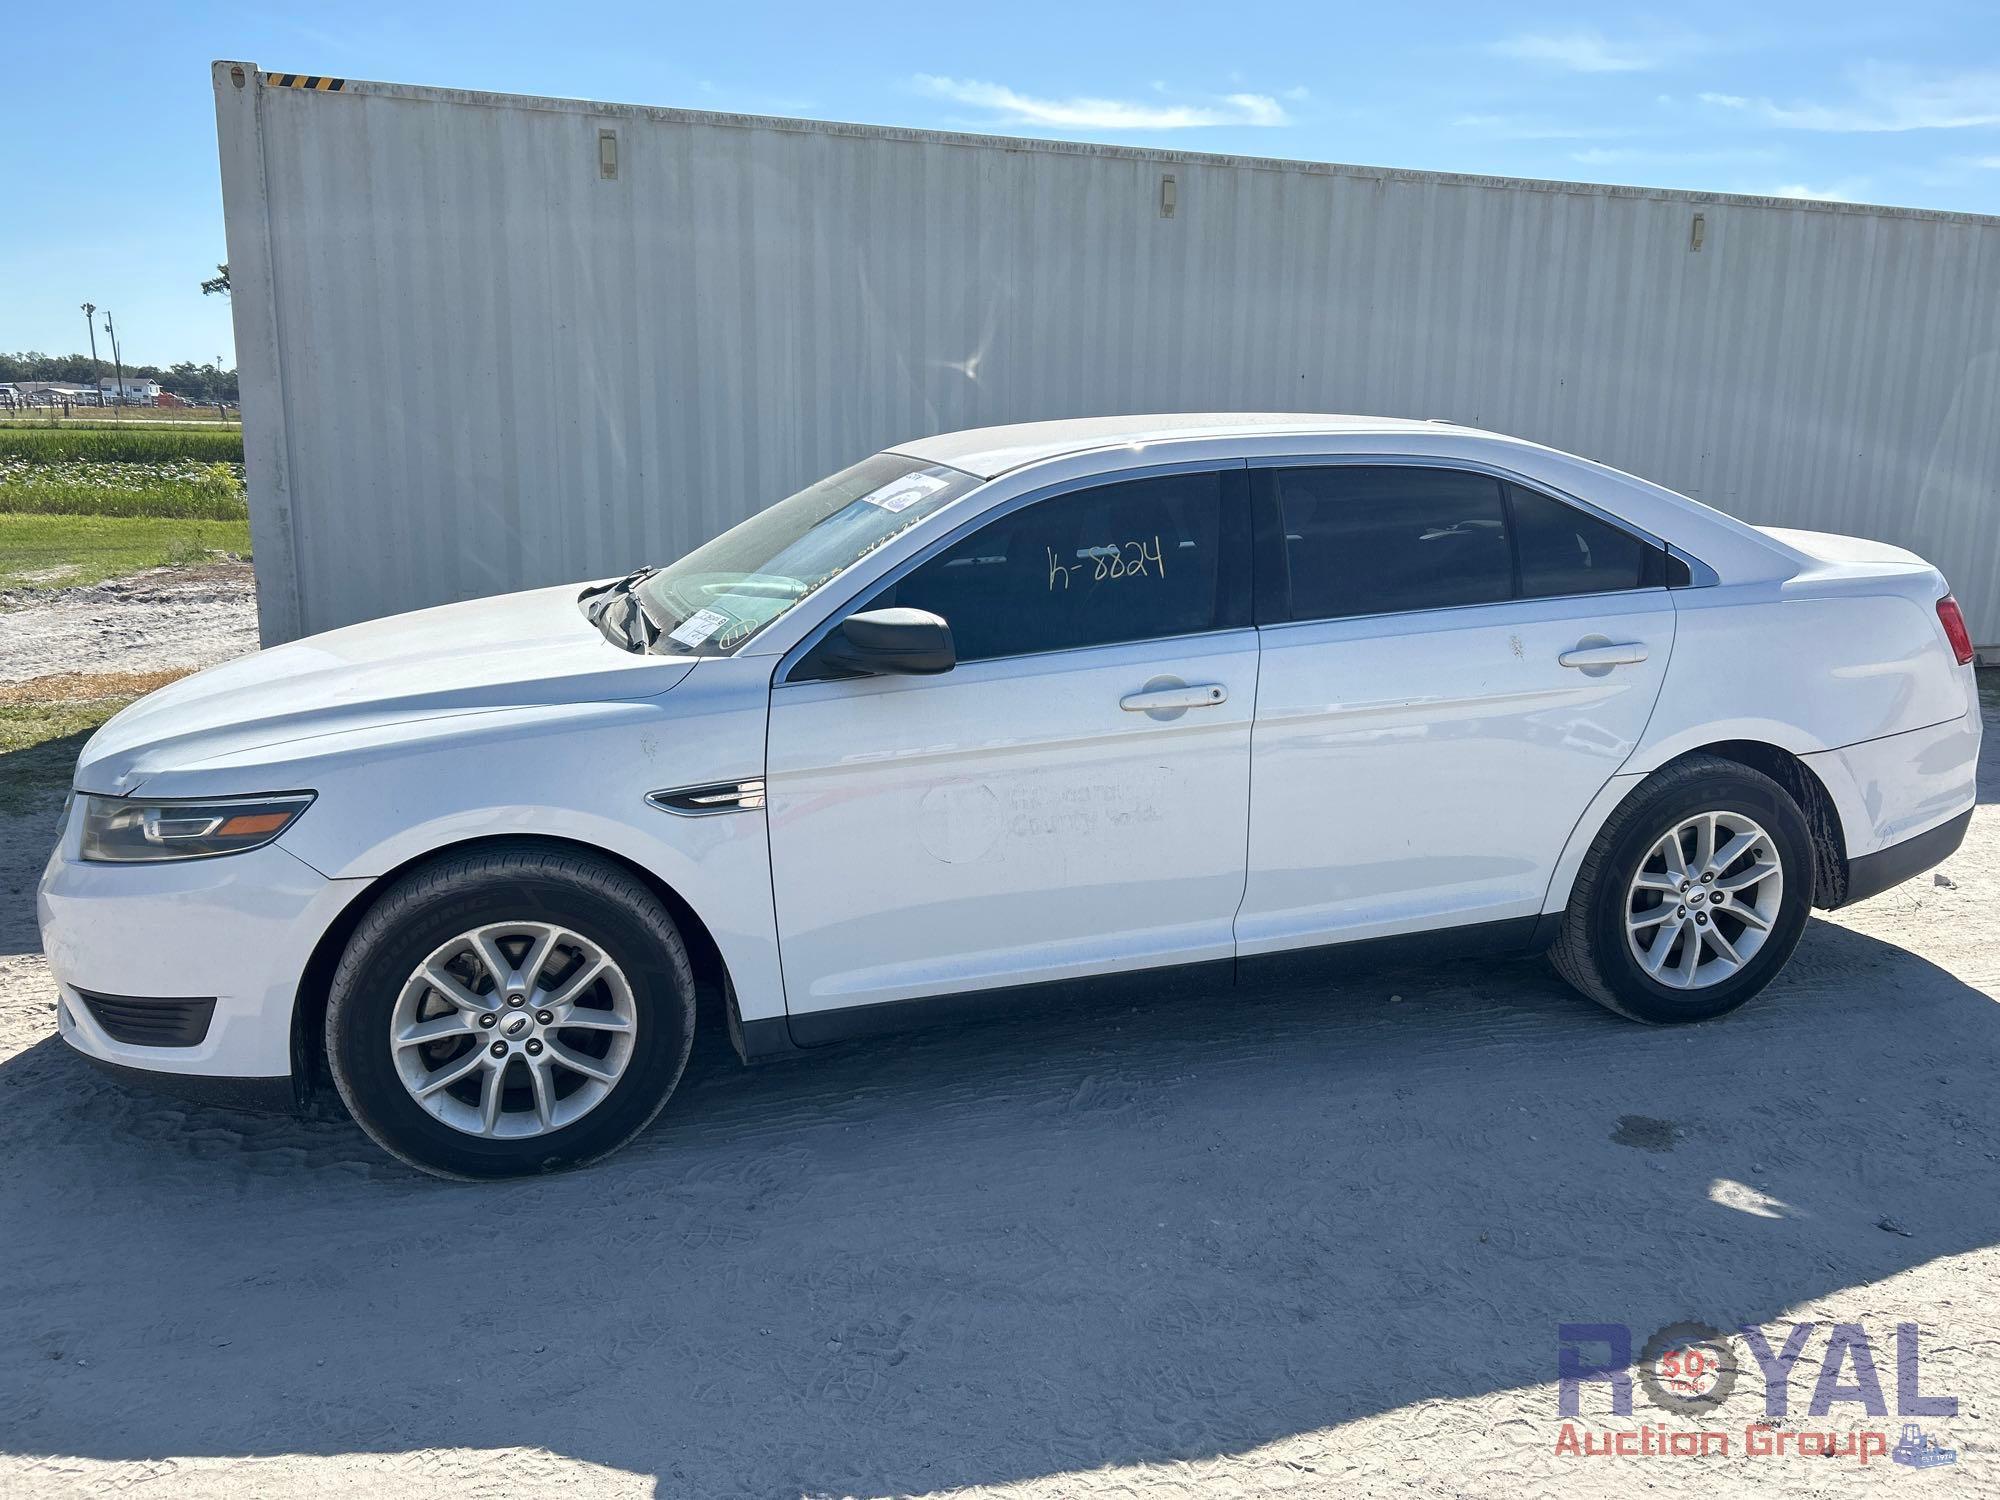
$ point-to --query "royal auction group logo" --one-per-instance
(1691, 1370)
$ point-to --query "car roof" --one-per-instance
(991, 451)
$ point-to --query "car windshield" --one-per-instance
(722, 594)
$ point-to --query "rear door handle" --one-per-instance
(1153, 700)
(1585, 657)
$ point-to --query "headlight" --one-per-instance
(124, 829)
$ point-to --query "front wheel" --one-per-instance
(510, 1010)
(1692, 897)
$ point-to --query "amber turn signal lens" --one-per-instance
(255, 823)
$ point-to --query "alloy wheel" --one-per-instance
(1704, 899)
(513, 1029)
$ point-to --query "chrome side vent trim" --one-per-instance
(718, 797)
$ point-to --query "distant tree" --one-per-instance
(204, 383)
(73, 369)
(217, 283)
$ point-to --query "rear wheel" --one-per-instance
(1692, 897)
(510, 1010)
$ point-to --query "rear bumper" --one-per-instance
(1872, 874)
(1893, 789)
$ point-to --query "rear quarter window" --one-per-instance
(1366, 539)
(1565, 550)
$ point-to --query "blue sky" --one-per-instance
(108, 179)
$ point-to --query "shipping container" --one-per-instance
(489, 342)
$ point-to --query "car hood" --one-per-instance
(524, 650)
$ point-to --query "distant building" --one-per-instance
(133, 392)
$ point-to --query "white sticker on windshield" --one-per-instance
(901, 494)
(698, 627)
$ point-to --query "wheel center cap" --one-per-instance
(1695, 898)
(518, 1025)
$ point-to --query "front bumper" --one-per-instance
(237, 930)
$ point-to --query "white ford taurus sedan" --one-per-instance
(989, 715)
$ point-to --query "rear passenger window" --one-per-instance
(1568, 551)
(1372, 541)
(1120, 562)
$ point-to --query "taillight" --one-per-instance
(1953, 620)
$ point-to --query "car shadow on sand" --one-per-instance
(1007, 1250)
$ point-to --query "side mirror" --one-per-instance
(879, 641)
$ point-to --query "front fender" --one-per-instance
(577, 772)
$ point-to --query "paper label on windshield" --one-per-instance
(901, 494)
(698, 627)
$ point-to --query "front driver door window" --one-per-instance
(1120, 562)
(1021, 818)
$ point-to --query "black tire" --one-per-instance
(1591, 950)
(508, 882)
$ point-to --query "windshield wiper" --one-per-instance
(618, 612)
(631, 580)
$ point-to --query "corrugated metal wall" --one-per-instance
(474, 364)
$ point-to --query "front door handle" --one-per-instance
(1585, 657)
(1155, 700)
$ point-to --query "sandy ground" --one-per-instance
(168, 617)
(1312, 1243)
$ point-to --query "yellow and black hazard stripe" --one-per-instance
(305, 81)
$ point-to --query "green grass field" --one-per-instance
(109, 443)
(53, 552)
(82, 504)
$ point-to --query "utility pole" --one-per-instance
(96, 374)
(116, 359)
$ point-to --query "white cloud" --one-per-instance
(1011, 107)
(1886, 97)
(1593, 52)
(1984, 163)
(1847, 190)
